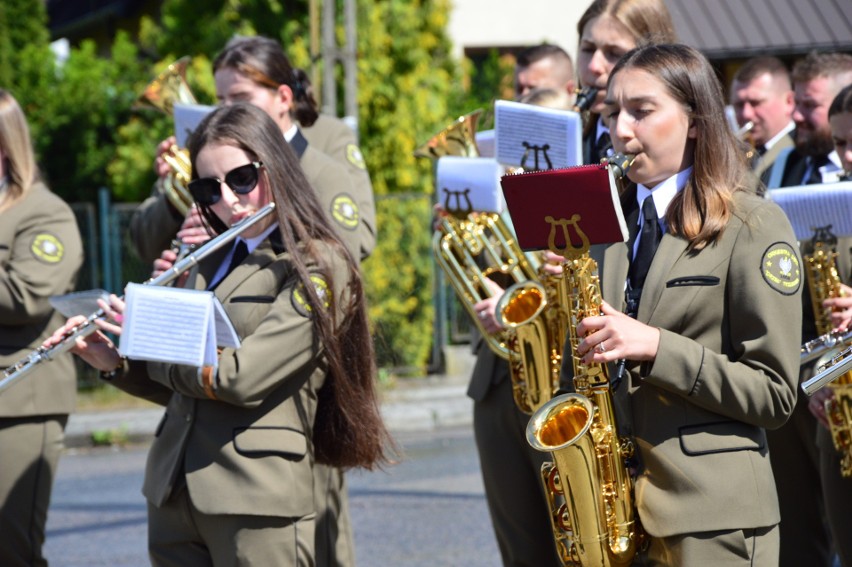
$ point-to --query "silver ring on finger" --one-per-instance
(601, 348)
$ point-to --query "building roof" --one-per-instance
(724, 29)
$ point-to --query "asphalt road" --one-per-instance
(427, 510)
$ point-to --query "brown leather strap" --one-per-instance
(207, 377)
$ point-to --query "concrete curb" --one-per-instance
(415, 404)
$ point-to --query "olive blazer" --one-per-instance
(249, 451)
(726, 368)
(40, 254)
(334, 138)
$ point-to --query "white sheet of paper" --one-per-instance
(79, 302)
(187, 118)
(469, 182)
(174, 325)
(485, 143)
(812, 206)
(517, 123)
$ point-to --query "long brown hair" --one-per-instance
(700, 212)
(348, 430)
(20, 165)
(263, 60)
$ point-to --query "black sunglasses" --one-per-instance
(242, 180)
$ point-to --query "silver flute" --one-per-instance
(44, 354)
(824, 344)
(830, 371)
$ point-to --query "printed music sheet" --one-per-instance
(469, 183)
(181, 326)
(187, 119)
(536, 137)
(813, 206)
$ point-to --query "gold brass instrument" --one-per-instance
(45, 354)
(162, 93)
(588, 485)
(824, 283)
(470, 246)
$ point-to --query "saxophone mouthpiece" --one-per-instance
(585, 98)
(619, 163)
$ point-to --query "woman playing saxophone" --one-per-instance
(712, 275)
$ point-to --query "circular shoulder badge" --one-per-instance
(344, 210)
(47, 248)
(300, 297)
(780, 268)
(355, 157)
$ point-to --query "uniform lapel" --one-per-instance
(670, 250)
(207, 269)
(259, 258)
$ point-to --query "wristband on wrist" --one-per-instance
(110, 374)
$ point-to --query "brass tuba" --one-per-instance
(162, 93)
(588, 485)
(471, 246)
(824, 283)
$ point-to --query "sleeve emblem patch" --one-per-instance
(781, 269)
(355, 157)
(47, 248)
(344, 211)
(300, 298)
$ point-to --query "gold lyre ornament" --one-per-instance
(824, 283)
(168, 88)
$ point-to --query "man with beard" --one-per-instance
(793, 449)
(762, 94)
(816, 81)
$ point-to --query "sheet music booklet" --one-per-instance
(536, 137)
(812, 206)
(469, 184)
(580, 202)
(181, 326)
(187, 119)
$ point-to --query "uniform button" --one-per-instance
(188, 417)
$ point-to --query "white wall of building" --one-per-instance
(515, 23)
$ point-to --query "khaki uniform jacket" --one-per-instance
(764, 164)
(726, 368)
(40, 254)
(335, 139)
(155, 222)
(250, 451)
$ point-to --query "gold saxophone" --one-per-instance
(824, 283)
(588, 485)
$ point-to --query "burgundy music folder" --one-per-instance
(581, 202)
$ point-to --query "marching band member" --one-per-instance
(40, 253)
(762, 94)
(256, 70)
(229, 478)
(713, 351)
(805, 537)
(608, 29)
(836, 489)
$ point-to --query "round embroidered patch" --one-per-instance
(47, 248)
(781, 269)
(344, 210)
(300, 298)
(355, 157)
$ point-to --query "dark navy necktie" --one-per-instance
(602, 146)
(649, 239)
